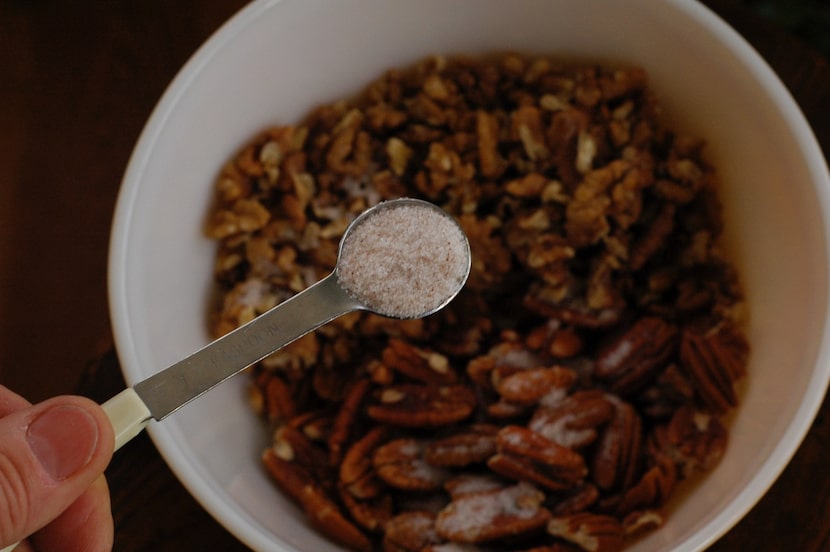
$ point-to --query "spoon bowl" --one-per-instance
(404, 259)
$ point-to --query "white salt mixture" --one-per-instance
(405, 260)
(469, 513)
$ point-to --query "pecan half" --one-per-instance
(669, 391)
(503, 410)
(508, 356)
(470, 446)
(294, 446)
(357, 475)
(414, 405)
(291, 478)
(565, 343)
(345, 419)
(314, 424)
(527, 456)
(371, 514)
(527, 387)
(574, 421)
(410, 532)
(400, 463)
(480, 517)
(640, 522)
(616, 456)
(417, 363)
(653, 489)
(714, 361)
(322, 511)
(578, 499)
(694, 439)
(571, 310)
(277, 398)
(327, 518)
(591, 532)
(634, 358)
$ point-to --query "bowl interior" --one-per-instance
(277, 59)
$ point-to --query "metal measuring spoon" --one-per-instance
(163, 393)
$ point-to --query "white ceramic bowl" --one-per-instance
(276, 59)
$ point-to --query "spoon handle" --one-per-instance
(128, 415)
(161, 394)
(187, 379)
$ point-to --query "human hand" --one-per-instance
(52, 488)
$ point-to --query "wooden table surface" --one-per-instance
(78, 80)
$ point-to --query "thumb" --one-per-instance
(50, 453)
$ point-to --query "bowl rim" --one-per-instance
(256, 537)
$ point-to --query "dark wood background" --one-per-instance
(78, 80)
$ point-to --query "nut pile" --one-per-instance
(576, 380)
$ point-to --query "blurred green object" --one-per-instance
(807, 19)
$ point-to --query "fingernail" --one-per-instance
(63, 439)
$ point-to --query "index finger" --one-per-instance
(11, 402)
(86, 526)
